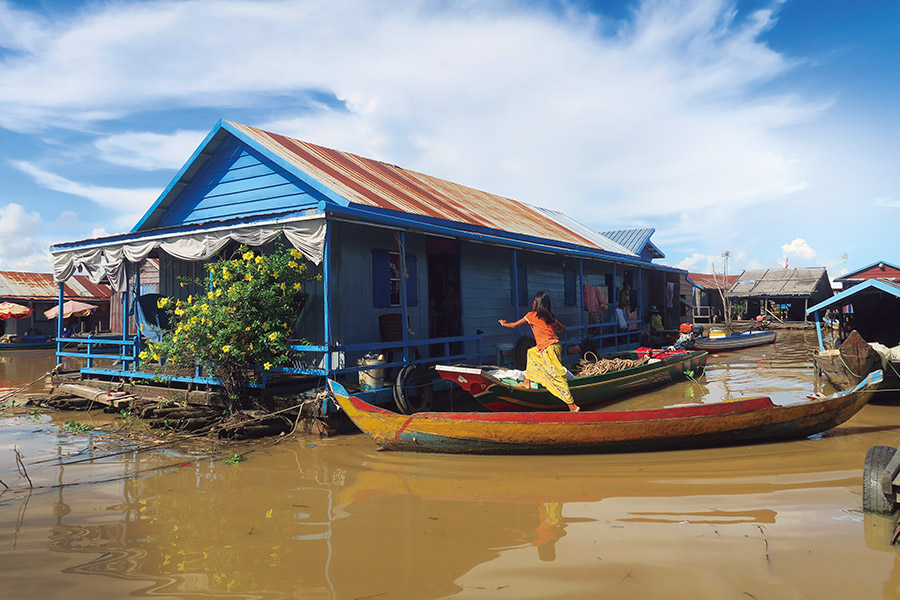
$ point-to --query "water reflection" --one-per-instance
(336, 518)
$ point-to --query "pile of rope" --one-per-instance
(586, 367)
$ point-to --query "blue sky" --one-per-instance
(766, 129)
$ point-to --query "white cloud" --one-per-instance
(887, 203)
(121, 200)
(16, 222)
(696, 262)
(149, 151)
(592, 117)
(799, 248)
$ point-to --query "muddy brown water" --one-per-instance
(335, 518)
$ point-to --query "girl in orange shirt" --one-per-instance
(545, 359)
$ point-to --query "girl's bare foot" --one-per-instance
(574, 407)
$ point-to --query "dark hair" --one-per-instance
(542, 308)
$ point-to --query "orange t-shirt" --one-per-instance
(544, 334)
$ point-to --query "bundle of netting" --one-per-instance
(591, 365)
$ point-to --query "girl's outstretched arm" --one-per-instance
(518, 323)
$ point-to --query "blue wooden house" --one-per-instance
(393, 246)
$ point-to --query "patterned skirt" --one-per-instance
(545, 367)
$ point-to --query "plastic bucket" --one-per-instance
(506, 355)
(371, 379)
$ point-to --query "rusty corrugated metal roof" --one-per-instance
(373, 183)
(707, 281)
(40, 286)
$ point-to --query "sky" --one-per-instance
(763, 129)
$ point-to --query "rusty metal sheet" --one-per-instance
(708, 281)
(40, 286)
(377, 184)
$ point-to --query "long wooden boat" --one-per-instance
(498, 396)
(736, 341)
(750, 420)
(36, 345)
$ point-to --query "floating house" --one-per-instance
(881, 270)
(872, 309)
(784, 294)
(415, 266)
(39, 292)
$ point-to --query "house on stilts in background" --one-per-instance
(783, 294)
(393, 246)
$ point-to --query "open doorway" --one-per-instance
(444, 308)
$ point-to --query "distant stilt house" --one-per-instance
(868, 303)
(40, 292)
(884, 271)
(393, 246)
(707, 290)
(783, 294)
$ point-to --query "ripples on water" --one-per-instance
(335, 518)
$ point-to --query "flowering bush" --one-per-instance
(242, 320)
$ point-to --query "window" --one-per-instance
(386, 275)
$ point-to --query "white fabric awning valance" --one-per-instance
(107, 260)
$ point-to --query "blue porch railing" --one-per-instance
(129, 360)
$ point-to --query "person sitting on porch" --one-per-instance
(545, 359)
(655, 329)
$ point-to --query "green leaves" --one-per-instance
(242, 319)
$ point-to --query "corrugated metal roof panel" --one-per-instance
(40, 286)
(599, 239)
(376, 184)
(711, 282)
(633, 239)
(778, 282)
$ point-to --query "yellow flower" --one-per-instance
(204, 307)
(226, 274)
(156, 357)
(292, 265)
(161, 303)
(247, 256)
(226, 348)
(190, 299)
(296, 253)
(297, 286)
(259, 259)
(273, 336)
(181, 284)
(143, 354)
(210, 295)
(249, 277)
(267, 366)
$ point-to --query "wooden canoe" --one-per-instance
(498, 396)
(750, 420)
(736, 341)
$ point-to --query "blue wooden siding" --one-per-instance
(238, 182)
(355, 314)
